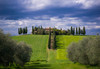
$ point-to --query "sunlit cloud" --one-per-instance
(64, 23)
(42, 4)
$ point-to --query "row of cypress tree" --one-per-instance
(40, 30)
(79, 31)
(22, 30)
(54, 39)
(49, 41)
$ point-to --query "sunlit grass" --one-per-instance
(38, 44)
(63, 42)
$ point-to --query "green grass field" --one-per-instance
(38, 44)
(63, 42)
(57, 59)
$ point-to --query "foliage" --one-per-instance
(79, 31)
(86, 51)
(76, 31)
(39, 30)
(22, 30)
(32, 29)
(19, 31)
(49, 41)
(84, 31)
(22, 53)
(72, 30)
(54, 39)
(9, 49)
(97, 34)
(25, 30)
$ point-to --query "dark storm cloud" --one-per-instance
(62, 13)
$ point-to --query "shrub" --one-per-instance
(22, 54)
(87, 51)
(7, 47)
(11, 52)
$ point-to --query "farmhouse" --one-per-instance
(48, 29)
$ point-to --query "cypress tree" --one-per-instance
(79, 31)
(84, 32)
(26, 30)
(19, 31)
(32, 29)
(23, 30)
(76, 31)
(54, 38)
(54, 31)
(41, 30)
(71, 29)
(49, 42)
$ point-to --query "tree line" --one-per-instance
(52, 39)
(45, 31)
(39, 30)
(79, 31)
(22, 30)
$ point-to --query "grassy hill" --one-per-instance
(62, 42)
(38, 44)
(57, 59)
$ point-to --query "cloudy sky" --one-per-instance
(50, 13)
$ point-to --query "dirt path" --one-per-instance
(51, 44)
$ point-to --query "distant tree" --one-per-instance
(79, 31)
(97, 33)
(41, 27)
(54, 38)
(32, 29)
(41, 30)
(76, 31)
(71, 30)
(35, 29)
(19, 31)
(54, 32)
(49, 42)
(68, 32)
(26, 30)
(84, 32)
(54, 41)
(49, 30)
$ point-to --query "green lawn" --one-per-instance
(38, 44)
(62, 61)
(57, 59)
(62, 42)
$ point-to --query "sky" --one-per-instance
(50, 13)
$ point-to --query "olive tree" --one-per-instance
(87, 51)
(13, 52)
